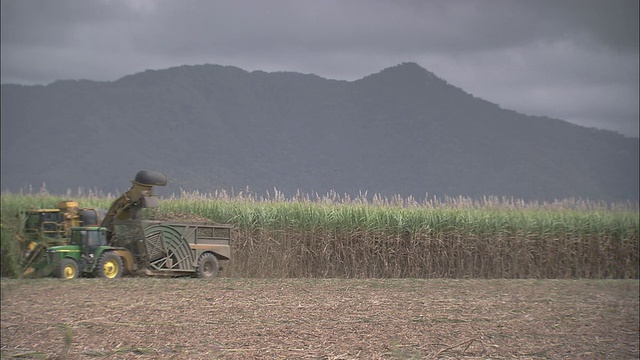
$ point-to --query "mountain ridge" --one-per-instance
(400, 131)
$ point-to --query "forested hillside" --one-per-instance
(400, 131)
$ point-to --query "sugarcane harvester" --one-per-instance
(47, 227)
(124, 243)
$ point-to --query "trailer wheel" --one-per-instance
(207, 266)
(109, 266)
(68, 269)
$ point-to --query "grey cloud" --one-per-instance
(503, 50)
(36, 22)
(613, 24)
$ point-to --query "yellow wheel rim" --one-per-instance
(110, 269)
(69, 272)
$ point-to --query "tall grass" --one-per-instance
(342, 236)
(455, 237)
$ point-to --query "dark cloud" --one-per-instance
(561, 58)
(53, 23)
(613, 24)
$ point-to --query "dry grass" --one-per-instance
(148, 318)
(451, 254)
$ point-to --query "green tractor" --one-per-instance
(87, 253)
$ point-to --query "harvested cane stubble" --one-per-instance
(225, 318)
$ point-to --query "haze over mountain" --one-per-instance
(400, 131)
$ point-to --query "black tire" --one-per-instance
(109, 266)
(68, 269)
(207, 266)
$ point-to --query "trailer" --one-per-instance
(159, 248)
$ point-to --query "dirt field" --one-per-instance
(150, 318)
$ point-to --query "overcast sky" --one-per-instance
(575, 60)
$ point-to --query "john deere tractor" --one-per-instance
(86, 253)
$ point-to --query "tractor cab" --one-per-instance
(88, 239)
(93, 236)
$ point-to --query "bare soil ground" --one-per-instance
(225, 318)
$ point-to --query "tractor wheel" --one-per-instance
(68, 269)
(207, 266)
(109, 266)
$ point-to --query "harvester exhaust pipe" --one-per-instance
(144, 182)
(140, 195)
(150, 178)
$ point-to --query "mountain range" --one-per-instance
(402, 131)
